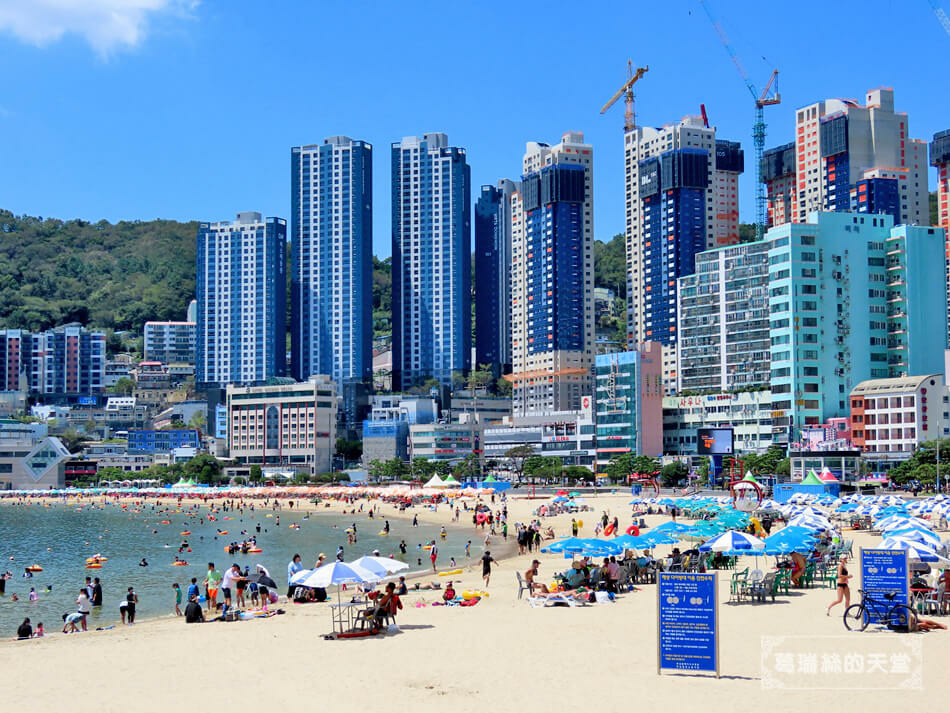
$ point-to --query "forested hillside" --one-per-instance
(103, 275)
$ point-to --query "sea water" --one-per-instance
(59, 538)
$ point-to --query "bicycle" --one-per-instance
(896, 617)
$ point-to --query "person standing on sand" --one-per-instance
(487, 561)
(293, 567)
(177, 598)
(212, 580)
(433, 554)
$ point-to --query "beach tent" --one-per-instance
(826, 476)
(811, 479)
(451, 482)
(434, 482)
(490, 479)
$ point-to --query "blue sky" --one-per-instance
(124, 109)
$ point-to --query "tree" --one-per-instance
(198, 421)
(619, 467)
(350, 451)
(543, 467)
(422, 468)
(256, 474)
(73, 439)
(516, 457)
(610, 264)
(503, 387)
(672, 473)
(203, 468)
(479, 379)
(469, 467)
(123, 387)
(576, 472)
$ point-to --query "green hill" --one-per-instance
(106, 276)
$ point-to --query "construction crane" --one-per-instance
(626, 91)
(762, 100)
(941, 16)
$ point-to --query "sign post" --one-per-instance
(688, 622)
(885, 572)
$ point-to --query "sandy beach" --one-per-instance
(501, 654)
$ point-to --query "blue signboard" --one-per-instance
(687, 622)
(884, 572)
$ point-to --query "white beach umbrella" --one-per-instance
(379, 565)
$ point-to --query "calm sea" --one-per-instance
(60, 538)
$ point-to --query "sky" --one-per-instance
(142, 109)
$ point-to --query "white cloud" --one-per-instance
(107, 25)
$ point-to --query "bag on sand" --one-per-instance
(393, 628)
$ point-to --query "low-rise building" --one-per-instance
(890, 418)
(628, 396)
(385, 440)
(30, 459)
(452, 442)
(285, 424)
(170, 342)
(488, 409)
(568, 435)
(748, 413)
(165, 440)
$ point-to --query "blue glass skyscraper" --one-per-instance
(493, 270)
(241, 286)
(332, 266)
(431, 233)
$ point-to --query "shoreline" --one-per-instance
(502, 550)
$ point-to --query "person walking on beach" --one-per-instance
(433, 554)
(843, 589)
(487, 561)
(468, 548)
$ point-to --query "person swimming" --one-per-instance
(143, 563)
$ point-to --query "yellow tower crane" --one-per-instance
(626, 91)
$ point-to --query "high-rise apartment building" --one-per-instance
(169, 342)
(682, 198)
(493, 276)
(940, 159)
(778, 174)
(13, 343)
(242, 291)
(839, 142)
(851, 297)
(332, 266)
(431, 234)
(552, 274)
(723, 312)
(65, 364)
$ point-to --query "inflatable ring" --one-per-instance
(633, 530)
(481, 517)
(96, 560)
(184, 532)
(450, 573)
(165, 522)
(255, 550)
(179, 564)
(93, 566)
(427, 547)
(222, 532)
(609, 530)
(383, 533)
(580, 523)
(34, 568)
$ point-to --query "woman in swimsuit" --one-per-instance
(843, 590)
